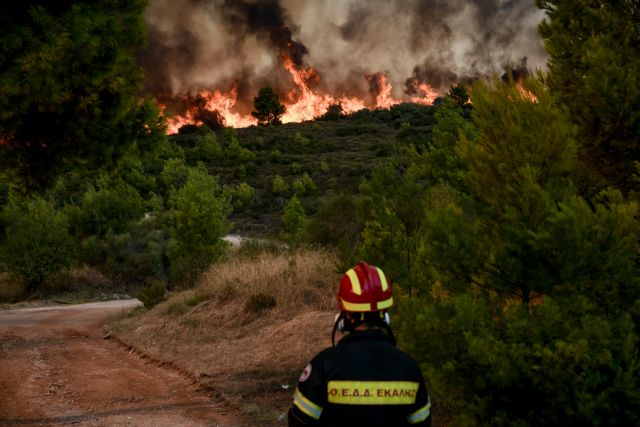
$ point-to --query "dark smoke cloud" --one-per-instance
(199, 44)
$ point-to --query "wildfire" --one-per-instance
(526, 94)
(301, 102)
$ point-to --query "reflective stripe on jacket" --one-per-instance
(364, 380)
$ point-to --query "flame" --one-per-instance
(428, 97)
(308, 104)
(526, 94)
(302, 102)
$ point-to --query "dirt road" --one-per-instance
(56, 369)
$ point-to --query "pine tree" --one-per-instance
(267, 107)
(594, 50)
(69, 85)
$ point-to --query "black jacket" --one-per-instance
(363, 381)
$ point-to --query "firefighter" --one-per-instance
(364, 380)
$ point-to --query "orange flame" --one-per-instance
(526, 94)
(301, 102)
(309, 104)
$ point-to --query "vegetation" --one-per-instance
(69, 85)
(267, 107)
(594, 64)
(37, 242)
(509, 225)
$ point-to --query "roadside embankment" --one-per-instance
(246, 330)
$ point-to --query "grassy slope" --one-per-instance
(234, 342)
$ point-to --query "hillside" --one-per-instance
(334, 152)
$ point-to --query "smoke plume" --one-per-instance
(219, 44)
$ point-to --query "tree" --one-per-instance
(294, 220)
(338, 222)
(69, 85)
(279, 186)
(200, 219)
(267, 107)
(243, 195)
(530, 312)
(37, 241)
(594, 50)
(110, 208)
(394, 203)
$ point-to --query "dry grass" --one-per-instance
(299, 281)
(12, 288)
(252, 357)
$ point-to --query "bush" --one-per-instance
(296, 167)
(37, 242)
(110, 208)
(206, 149)
(563, 362)
(294, 221)
(303, 185)
(136, 256)
(279, 185)
(199, 213)
(300, 140)
(298, 187)
(243, 195)
(174, 174)
(153, 294)
(236, 152)
(275, 155)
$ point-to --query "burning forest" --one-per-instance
(206, 60)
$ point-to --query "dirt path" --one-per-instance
(56, 369)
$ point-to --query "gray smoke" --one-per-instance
(212, 44)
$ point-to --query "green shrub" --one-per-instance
(206, 149)
(109, 208)
(298, 187)
(279, 185)
(153, 294)
(37, 241)
(199, 220)
(300, 140)
(275, 155)
(236, 152)
(294, 221)
(174, 174)
(131, 170)
(296, 167)
(243, 196)
(136, 256)
(308, 183)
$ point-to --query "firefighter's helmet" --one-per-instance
(364, 288)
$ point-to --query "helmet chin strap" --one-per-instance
(337, 325)
(343, 324)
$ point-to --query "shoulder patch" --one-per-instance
(305, 373)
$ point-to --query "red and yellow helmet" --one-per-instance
(364, 288)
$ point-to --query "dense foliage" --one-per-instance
(68, 85)
(509, 225)
(267, 107)
(594, 50)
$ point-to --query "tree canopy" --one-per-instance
(267, 107)
(68, 84)
(594, 50)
